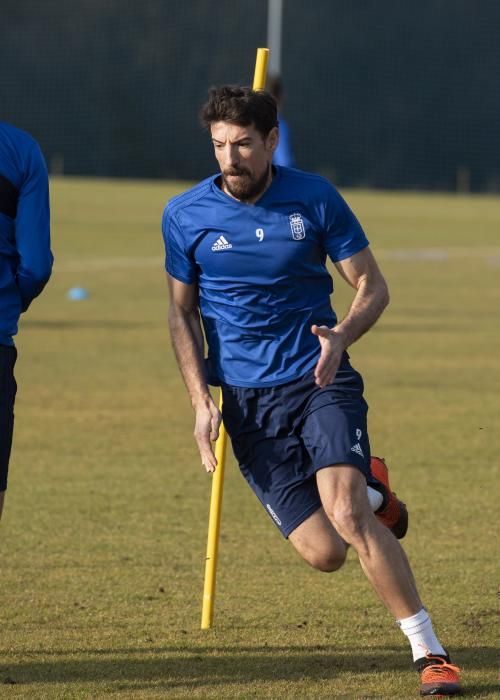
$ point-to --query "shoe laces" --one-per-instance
(439, 670)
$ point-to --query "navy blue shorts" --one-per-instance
(8, 388)
(282, 435)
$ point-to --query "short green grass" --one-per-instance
(104, 531)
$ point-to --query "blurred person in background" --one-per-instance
(25, 260)
(283, 154)
(246, 254)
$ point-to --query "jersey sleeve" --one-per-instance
(33, 230)
(178, 261)
(344, 235)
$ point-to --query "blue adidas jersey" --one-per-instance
(261, 271)
(25, 256)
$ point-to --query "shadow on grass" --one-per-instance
(202, 666)
(199, 665)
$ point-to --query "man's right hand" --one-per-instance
(206, 431)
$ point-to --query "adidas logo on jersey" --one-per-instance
(357, 449)
(221, 244)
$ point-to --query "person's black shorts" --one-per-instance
(8, 388)
(282, 435)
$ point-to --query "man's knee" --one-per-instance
(343, 493)
(351, 520)
(318, 543)
(326, 561)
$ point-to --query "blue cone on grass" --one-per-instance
(77, 294)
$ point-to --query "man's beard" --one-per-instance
(245, 187)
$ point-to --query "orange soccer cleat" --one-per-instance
(392, 513)
(438, 676)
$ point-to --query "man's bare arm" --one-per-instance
(187, 340)
(372, 296)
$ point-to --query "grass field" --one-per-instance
(104, 530)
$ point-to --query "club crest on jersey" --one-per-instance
(297, 226)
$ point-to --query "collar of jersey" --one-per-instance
(227, 198)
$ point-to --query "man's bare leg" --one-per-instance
(343, 493)
(318, 544)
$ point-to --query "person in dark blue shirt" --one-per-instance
(283, 153)
(246, 254)
(25, 260)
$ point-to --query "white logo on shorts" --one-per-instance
(273, 514)
(357, 449)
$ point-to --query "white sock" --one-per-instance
(418, 629)
(375, 497)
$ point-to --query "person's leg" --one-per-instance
(318, 544)
(342, 490)
(8, 389)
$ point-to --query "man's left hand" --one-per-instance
(332, 348)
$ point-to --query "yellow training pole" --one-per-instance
(207, 611)
(259, 77)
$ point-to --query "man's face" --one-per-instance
(244, 157)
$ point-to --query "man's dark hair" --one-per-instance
(242, 106)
